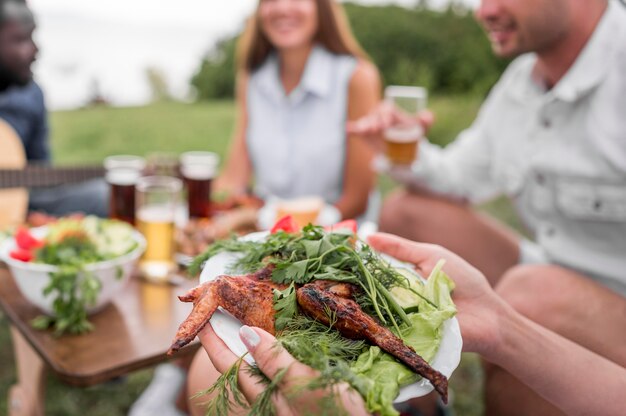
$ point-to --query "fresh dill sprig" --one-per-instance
(263, 405)
(225, 387)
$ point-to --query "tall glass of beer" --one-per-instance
(198, 170)
(122, 173)
(402, 137)
(157, 199)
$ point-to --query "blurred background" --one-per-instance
(131, 77)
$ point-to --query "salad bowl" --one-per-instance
(31, 278)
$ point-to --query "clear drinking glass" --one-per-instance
(122, 174)
(401, 138)
(198, 170)
(157, 200)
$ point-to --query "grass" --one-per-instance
(88, 135)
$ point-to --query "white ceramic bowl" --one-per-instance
(32, 278)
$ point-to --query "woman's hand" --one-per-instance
(271, 359)
(478, 305)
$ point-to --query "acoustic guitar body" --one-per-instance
(13, 202)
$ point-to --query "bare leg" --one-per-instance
(202, 375)
(484, 242)
(569, 304)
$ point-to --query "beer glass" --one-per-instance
(198, 170)
(157, 199)
(122, 173)
(402, 137)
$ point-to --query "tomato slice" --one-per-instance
(286, 224)
(349, 225)
(25, 239)
(22, 255)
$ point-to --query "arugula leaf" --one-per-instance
(291, 272)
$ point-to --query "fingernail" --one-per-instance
(249, 337)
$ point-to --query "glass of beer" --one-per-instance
(157, 199)
(401, 138)
(303, 210)
(198, 170)
(122, 173)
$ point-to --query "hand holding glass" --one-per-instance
(402, 137)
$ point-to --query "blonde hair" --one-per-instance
(333, 32)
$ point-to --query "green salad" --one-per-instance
(72, 244)
(413, 309)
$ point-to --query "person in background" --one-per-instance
(22, 107)
(569, 376)
(552, 137)
(301, 75)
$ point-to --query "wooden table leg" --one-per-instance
(26, 398)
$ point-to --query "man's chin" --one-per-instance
(505, 51)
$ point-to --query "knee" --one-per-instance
(398, 210)
(534, 291)
(201, 376)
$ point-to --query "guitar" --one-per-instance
(16, 175)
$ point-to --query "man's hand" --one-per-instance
(386, 115)
(477, 303)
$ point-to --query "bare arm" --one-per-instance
(569, 376)
(363, 96)
(237, 172)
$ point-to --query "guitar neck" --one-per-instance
(41, 175)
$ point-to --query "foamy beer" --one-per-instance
(303, 210)
(198, 170)
(401, 139)
(122, 173)
(157, 198)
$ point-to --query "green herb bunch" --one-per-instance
(73, 287)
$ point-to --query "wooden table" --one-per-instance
(131, 333)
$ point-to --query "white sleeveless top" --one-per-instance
(297, 142)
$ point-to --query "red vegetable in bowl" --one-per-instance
(22, 255)
(25, 239)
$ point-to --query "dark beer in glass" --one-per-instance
(198, 169)
(122, 199)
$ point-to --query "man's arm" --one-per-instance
(38, 143)
(571, 377)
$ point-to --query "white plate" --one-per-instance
(227, 327)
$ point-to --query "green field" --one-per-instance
(88, 135)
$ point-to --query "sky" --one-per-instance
(108, 45)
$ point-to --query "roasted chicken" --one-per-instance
(250, 299)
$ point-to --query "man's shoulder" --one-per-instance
(27, 98)
(520, 68)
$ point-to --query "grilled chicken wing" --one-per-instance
(316, 298)
(250, 299)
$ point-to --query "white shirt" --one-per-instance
(297, 142)
(560, 154)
